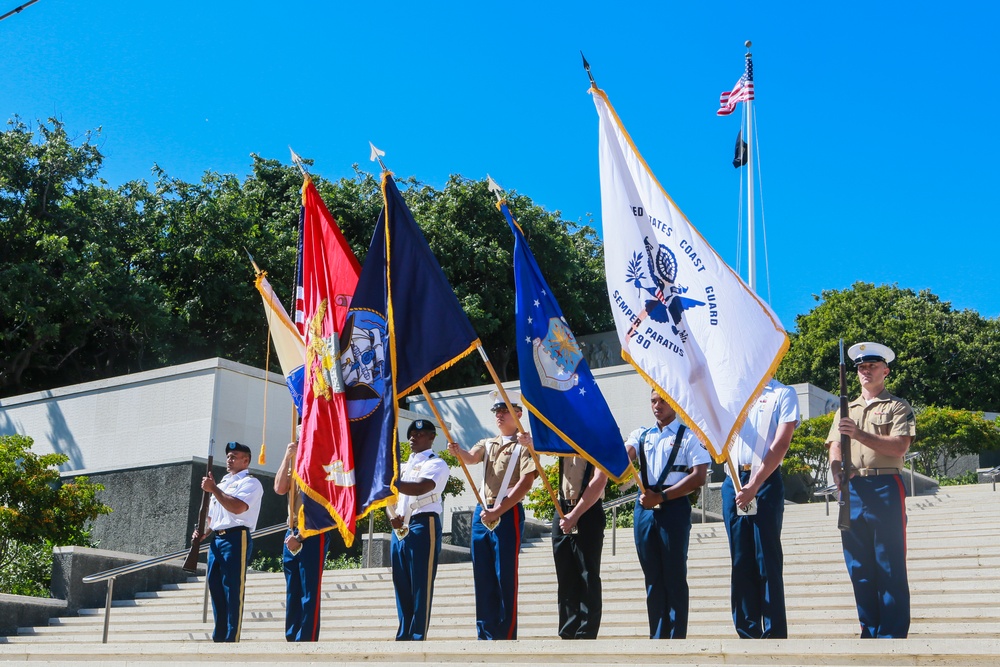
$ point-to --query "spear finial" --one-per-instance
(377, 154)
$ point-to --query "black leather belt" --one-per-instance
(230, 530)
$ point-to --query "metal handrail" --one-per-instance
(909, 458)
(114, 573)
(993, 474)
(826, 492)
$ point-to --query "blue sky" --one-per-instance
(877, 120)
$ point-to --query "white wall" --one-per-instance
(156, 416)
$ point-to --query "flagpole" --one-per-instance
(520, 429)
(751, 242)
(448, 438)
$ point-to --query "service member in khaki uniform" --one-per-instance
(496, 529)
(881, 427)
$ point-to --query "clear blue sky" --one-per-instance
(877, 120)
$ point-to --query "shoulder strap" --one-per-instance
(678, 439)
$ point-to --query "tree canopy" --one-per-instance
(944, 357)
(103, 280)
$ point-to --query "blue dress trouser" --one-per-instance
(758, 591)
(304, 587)
(578, 573)
(494, 569)
(661, 538)
(875, 553)
(414, 566)
(228, 558)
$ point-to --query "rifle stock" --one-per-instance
(844, 516)
(191, 563)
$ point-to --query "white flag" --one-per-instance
(685, 320)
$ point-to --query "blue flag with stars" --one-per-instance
(568, 413)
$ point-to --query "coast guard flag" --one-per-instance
(288, 343)
(685, 320)
(324, 468)
(405, 325)
(567, 410)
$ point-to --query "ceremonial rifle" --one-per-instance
(191, 564)
(844, 518)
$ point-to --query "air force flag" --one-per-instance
(569, 415)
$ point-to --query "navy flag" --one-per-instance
(568, 413)
(405, 325)
(434, 331)
(366, 366)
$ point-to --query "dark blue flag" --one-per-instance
(568, 413)
(433, 330)
(404, 326)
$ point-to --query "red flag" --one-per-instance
(324, 468)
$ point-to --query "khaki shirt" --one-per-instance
(574, 467)
(498, 453)
(886, 415)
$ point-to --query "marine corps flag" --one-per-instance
(567, 410)
(405, 325)
(324, 467)
(685, 320)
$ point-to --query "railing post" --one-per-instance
(614, 523)
(704, 501)
(204, 600)
(107, 609)
(371, 533)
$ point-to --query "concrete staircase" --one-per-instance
(953, 561)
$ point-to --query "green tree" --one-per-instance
(944, 357)
(37, 510)
(807, 453)
(71, 309)
(944, 433)
(540, 502)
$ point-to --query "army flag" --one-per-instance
(288, 343)
(324, 467)
(568, 413)
(685, 320)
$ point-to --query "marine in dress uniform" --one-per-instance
(418, 512)
(577, 544)
(757, 589)
(495, 552)
(232, 516)
(672, 465)
(881, 427)
(303, 560)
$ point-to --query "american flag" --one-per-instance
(741, 92)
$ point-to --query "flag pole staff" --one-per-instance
(751, 235)
(18, 9)
(498, 192)
(586, 66)
(520, 429)
(448, 438)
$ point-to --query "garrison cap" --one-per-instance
(515, 400)
(421, 425)
(862, 352)
(237, 447)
